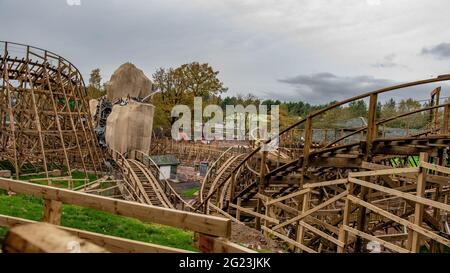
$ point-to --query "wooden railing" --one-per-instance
(212, 232)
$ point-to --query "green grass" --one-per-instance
(190, 192)
(96, 221)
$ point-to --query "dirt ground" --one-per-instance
(253, 239)
(240, 233)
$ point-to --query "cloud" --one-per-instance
(440, 51)
(388, 62)
(323, 87)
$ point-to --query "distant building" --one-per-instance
(167, 165)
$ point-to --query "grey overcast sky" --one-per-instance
(310, 50)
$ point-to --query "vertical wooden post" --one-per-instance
(445, 120)
(372, 130)
(261, 186)
(372, 133)
(36, 116)
(10, 103)
(232, 189)
(52, 212)
(418, 212)
(238, 212)
(343, 235)
(300, 228)
(434, 113)
(306, 149)
(408, 242)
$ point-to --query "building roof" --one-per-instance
(165, 160)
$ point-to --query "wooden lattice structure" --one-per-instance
(313, 201)
(45, 119)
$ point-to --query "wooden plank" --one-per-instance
(212, 225)
(326, 183)
(434, 167)
(393, 237)
(288, 240)
(292, 195)
(211, 244)
(251, 212)
(384, 172)
(369, 237)
(111, 243)
(322, 234)
(400, 194)
(400, 220)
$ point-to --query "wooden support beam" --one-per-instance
(418, 212)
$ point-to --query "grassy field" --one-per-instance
(189, 193)
(95, 221)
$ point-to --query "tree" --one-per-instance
(94, 88)
(95, 78)
(181, 85)
(358, 108)
(198, 80)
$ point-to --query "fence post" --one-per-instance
(52, 211)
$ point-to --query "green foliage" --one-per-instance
(180, 86)
(190, 192)
(358, 108)
(95, 78)
(95, 89)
